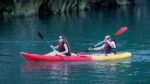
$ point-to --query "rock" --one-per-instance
(48, 7)
(26, 7)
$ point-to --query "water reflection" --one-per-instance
(83, 72)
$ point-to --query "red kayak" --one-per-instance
(79, 58)
(42, 57)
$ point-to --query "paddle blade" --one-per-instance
(40, 35)
(122, 30)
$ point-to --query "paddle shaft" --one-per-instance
(42, 37)
(99, 43)
(119, 32)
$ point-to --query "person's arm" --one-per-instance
(66, 49)
(55, 47)
(98, 48)
(112, 44)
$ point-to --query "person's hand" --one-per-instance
(105, 40)
(52, 46)
(90, 49)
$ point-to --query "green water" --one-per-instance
(82, 31)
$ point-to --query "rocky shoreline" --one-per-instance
(25, 8)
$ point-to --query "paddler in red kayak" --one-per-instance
(108, 47)
(63, 46)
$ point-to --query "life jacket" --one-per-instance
(107, 48)
(62, 48)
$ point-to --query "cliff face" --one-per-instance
(6, 7)
(48, 7)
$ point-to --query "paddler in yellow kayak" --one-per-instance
(108, 47)
(63, 46)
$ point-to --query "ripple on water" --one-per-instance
(6, 57)
(141, 56)
(10, 42)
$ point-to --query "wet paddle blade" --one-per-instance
(122, 30)
(40, 35)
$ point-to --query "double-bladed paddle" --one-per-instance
(119, 32)
(42, 37)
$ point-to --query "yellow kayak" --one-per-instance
(117, 56)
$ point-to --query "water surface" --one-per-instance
(82, 31)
